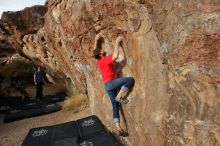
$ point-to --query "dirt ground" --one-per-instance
(12, 134)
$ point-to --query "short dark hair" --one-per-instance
(96, 53)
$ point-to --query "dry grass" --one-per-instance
(76, 103)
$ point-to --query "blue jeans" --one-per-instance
(111, 89)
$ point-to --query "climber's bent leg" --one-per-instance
(124, 83)
(112, 93)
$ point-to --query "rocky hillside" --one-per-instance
(172, 51)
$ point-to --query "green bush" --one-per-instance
(24, 68)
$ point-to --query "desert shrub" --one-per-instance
(76, 103)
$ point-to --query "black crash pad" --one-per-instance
(105, 139)
(14, 115)
(11, 101)
(65, 130)
(4, 109)
(65, 134)
(31, 104)
(58, 97)
(38, 137)
(66, 142)
(90, 127)
(88, 131)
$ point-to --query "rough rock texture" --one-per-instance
(26, 21)
(6, 51)
(7, 47)
(15, 25)
(172, 51)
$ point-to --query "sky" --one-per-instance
(16, 5)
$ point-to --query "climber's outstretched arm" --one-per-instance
(116, 49)
(96, 39)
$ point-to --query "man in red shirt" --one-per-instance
(112, 84)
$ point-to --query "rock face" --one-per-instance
(14, 25)
(6, 51)
(172, 51)
(27, 21)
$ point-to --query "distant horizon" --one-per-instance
(17, 5)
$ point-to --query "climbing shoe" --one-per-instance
(123, 100)
(122, 133)
(122, 93)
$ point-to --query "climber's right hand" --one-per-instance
(118, 40)
(98, 36)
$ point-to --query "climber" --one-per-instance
(112, 84)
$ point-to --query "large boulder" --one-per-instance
(172, 51)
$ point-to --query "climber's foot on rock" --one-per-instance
(122, 100)
(122, 133)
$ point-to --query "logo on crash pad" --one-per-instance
(87, 123)
(86, 143)
(40, 132)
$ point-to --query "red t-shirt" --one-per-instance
(105, 65)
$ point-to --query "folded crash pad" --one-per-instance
(14, 115)
(54, 98)
(14, 102)
(31, 104)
